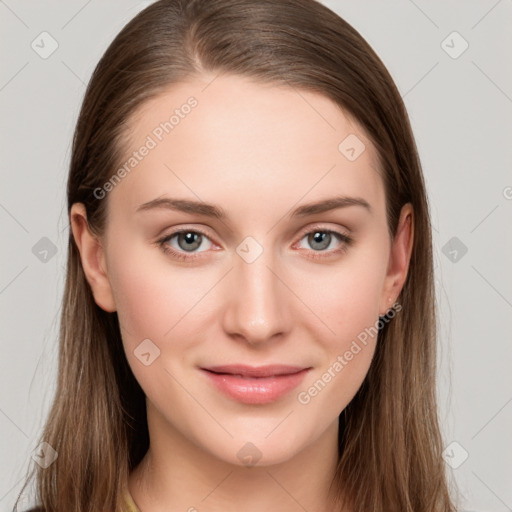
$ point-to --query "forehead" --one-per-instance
(245, 145)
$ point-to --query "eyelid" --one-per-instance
(319, 226)
(186, 229)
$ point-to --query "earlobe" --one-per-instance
(92, 258)
(399, 260)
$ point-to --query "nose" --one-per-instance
(257, 307)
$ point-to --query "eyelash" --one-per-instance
(343, 238)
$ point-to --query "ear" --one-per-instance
(92, 257)
(401, 250)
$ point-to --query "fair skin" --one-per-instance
(258, 152)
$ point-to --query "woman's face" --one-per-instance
(247, 282)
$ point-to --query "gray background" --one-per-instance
(460, 106)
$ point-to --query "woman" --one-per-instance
(248, 320)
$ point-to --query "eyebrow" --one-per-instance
(210, 210)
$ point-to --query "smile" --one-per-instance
(255, 385)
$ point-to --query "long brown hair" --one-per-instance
(390, 444)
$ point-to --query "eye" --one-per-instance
(183, 244)
(326, 241)
(184, 241)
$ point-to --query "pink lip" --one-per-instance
(255, 385)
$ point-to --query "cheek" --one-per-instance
(348, 302)
(152, 302)
(347, 354)
(140, 304)
(159, 301)
(150, 296)
(348, 296)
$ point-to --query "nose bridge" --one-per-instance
(257, 308)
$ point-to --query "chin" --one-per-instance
(257, 451)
